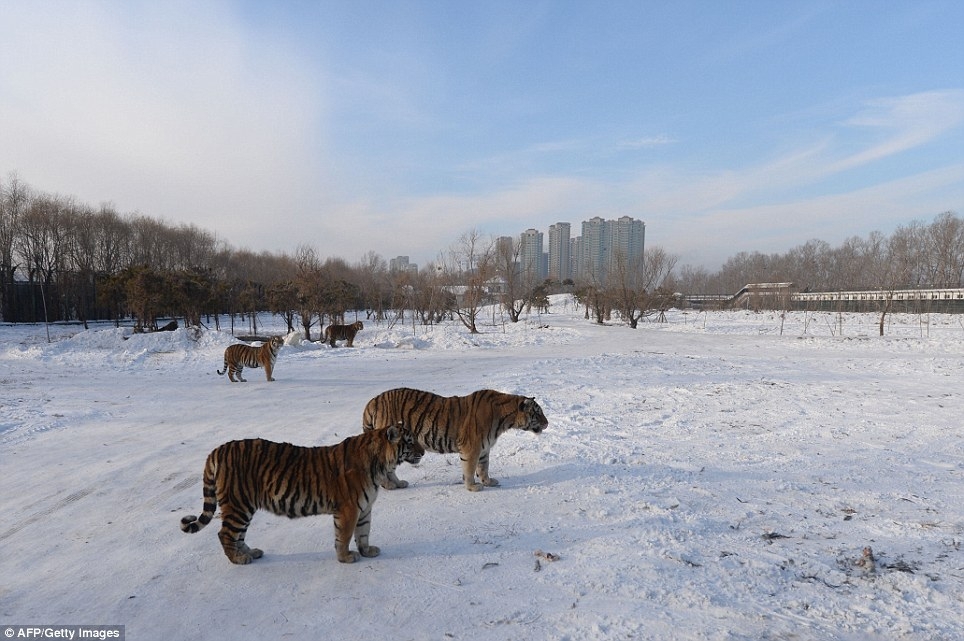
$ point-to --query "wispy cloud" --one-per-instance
(709, 213)
(647, 142)
(903, 123)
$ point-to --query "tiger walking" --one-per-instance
(290, 480)
(466, 425)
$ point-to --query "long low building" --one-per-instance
(909, 300)
(785, 296)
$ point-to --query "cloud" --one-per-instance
(715, 234)
(647, 143)
(708, 214)
(903, 123)
(192, 112)
(170, 107)
(422, 227)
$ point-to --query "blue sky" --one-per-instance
(395, 127)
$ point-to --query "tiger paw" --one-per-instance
(490, 482)
(348, 557)
(242, 559)
(256, 553)
(370, 551)
(473, 487)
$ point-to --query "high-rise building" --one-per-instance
(603, 246)
(628, 235)
(401, 264)
(605, 242)
(596, 239)
(530, 255)
(559, 268)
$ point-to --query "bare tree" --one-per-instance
(894, 263)
(513, 276)
(634, 283)
(945, 251)
(470, 269)
(14, 200)
(308, 283)
(374, 284)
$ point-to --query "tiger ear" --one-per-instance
(394, 432)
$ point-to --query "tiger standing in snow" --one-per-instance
(289, 480)
(237, 357)
(466, 425)
(343, 333)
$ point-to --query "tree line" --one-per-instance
(916, 255)
(65, 260)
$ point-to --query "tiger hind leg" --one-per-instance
(237, 369)
(234, 526)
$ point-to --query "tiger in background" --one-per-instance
(237, 357)
(342, 333)
(289, 480)
(467, 425)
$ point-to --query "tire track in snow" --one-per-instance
(43, 514)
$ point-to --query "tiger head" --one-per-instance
(409, 450)
(530, 417)
(358, 326)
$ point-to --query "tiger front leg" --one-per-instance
(470, 462)
(350, 522)
(268, 370)
(362, 527)
(483, 470)
(393, 482)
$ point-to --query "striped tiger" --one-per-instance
(342, 333)
(468, 425)
(289, 480)
(237, 357)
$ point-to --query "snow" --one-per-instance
(716, 476)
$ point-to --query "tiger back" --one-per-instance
(239, 356)
(467, 425)
(294, 481)
(343, 333)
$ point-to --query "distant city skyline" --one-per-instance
(592, 254)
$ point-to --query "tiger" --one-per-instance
(237, 357)
(468, 425)
(290, 480)
(342, 333)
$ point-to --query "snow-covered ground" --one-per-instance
(717, 476)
